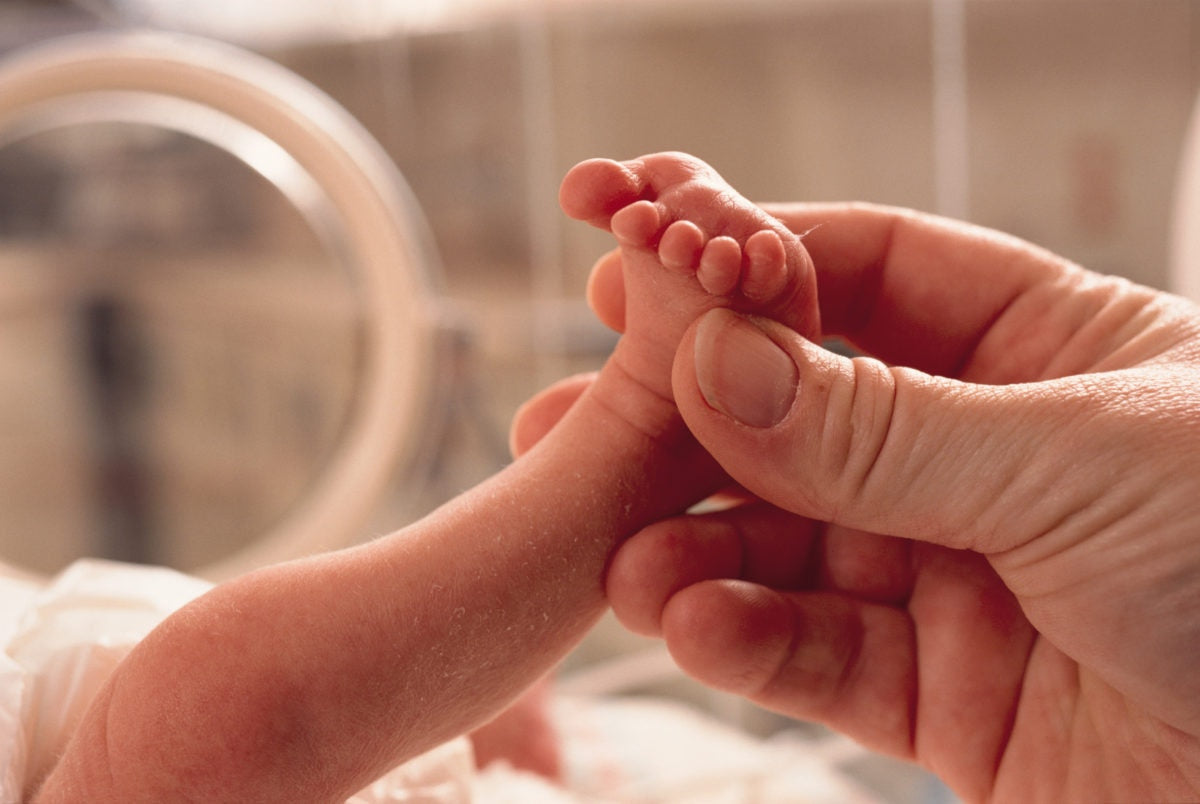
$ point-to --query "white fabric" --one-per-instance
(60, 642)
(646, 750)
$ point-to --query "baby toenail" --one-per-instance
(742, 372)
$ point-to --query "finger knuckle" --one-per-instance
(857, 428)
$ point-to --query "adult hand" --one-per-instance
(980, 547)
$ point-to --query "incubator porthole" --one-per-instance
(215, 317)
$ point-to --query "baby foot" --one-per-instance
(689, 242)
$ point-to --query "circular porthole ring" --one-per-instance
(383, 234)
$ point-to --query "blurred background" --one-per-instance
(179, 348)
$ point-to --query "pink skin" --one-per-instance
(688, 243)
(307, 680)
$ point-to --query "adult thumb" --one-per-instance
(872, 447)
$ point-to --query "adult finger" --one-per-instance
(935, 680)
(818, 656)
(941, 295)
(884, 450)
(754, 541)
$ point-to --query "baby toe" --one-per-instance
(766, 271)
(681, 245)
(720, 266)
(638, 224)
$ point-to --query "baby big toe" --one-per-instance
(594, 190)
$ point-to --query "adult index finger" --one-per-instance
(928, 292)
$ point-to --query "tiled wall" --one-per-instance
(1075, 109)
(1077, 114)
